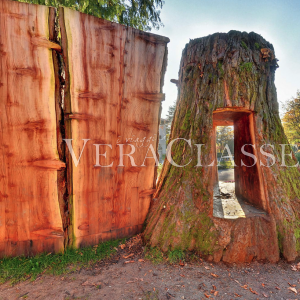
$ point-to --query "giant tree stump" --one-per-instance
(227, 79)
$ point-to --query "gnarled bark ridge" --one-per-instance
(231, 74)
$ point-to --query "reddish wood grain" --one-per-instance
(30, 220)
(114, 93)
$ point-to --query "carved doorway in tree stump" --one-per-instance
(227, 77)
(248, 196)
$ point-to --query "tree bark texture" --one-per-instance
(227, 78)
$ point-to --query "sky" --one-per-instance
(278, 21)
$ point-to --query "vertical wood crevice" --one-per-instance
(67, 129)
(59, 73)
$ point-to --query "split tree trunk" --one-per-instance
(232, 74)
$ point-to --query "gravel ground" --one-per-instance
(128, 275)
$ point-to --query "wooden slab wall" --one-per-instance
(30, 220)
(113, 96)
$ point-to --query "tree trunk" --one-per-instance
(227, 79)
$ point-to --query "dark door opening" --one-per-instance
(237, 184)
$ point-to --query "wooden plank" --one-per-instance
(144, 63)
(29, 160)
(113, 92)
(92, 52)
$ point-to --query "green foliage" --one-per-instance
(175, 256)
(140, 14)
(154, 255)
(291, 120)
(224, 137)
(246, 67)
(257, 46)
(225, 165)
(169, 117)
(244, 45)
(21, 268)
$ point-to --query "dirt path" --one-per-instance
(128, 275)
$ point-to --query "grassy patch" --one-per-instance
(154, 255)
(21, 268)
(149, 295)
(175, 256)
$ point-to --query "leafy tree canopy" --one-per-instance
(140, 14)
(225, 136)
(170, 116)
(291, 119)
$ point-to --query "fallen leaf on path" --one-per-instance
(122, 246)
(181, 263)
(292, 285)
(237, 295)
(252, 291)
(294, 268)
(207, 268)
(141, 279)
(207, 296)
(129, 261)
(277, 288)
(182, 275)
(141, 260)
(265, 295)
(127, 256)
(293, 290)
(214, 275)
(245, 287)
(216, 293)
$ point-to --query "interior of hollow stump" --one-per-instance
(238, 193)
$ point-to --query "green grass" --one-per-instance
(175, 256)
(21, 268)
(154, 255)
